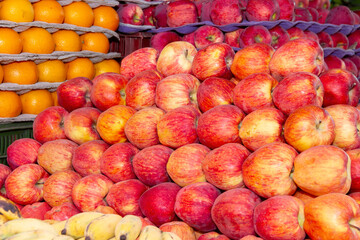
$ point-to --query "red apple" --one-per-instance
(176, 57)
(325, 40)
(354, 156)
(111, 123)
(354, 39)
(56, 155)
(258, 170)
(160, 15)
(213, 60)
(181, 12)
(146, 135)
(220, 125)
(22, 151)
(140, 90)
(214, 91)
(322, 169)
(252, 59)
(115, 162)
(355, 196)
(355, 59)
(350, 66)
(124, 197)
(157, 203)
(340, 87)
(233, 212)
(161, 39)
(180, 228)
(302, 14)
(193, 205)
(233, 38)
(57, 187)
(309, 126)
(80, 124)
(184, 165)
(262, 10)
(255, 34)
(320, 222)
(4, 173)
(108, 90)
(323, 13)
(213, 236)
(24, 185)
(149, 18)
(332, 61)
(62, 212)
(89, 192)
(250, 237)
(340, 40)
(226, 12)
(279, 36)
(303, 196)
(176, 91)
(302, 3)
(222, 166)
(286, 9)
(74, 93)
(150, 164)
(261, 127)
(311, 35)
(295, 32)
(190, 38)
(308, 54)
(177, 127)
(48, 125)
(139, 60)
(340, 15)
(203, 9)
(314, 13)
(280, 217)
(206, 35)
(36, 210)
(254, 92)
(131, 13)
(86, 157)
(346, 119)
(288, 98)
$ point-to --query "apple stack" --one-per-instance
(257, 144)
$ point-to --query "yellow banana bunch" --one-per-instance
(75, 226)
(128, 228)
(102, 228)
(150, 232)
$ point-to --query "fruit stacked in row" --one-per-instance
(210, 138)
(13, 104)
(243, 37)
(219, 12)
(86, 225)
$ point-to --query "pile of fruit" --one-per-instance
(45, 43)
(205, 143)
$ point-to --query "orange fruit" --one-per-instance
(95, 41)
(48, 11)
(24, 72)
(80, 67)
(10, 41)
(67, 40)
(107, 65)
(1, 74)
(54, 94)
(52, 71)
(35, 101)
(37, 40)
(106, 17)
(79, 14)
(17, 11)
(10, 104)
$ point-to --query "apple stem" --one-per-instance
(318, 124)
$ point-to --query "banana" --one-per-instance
(3, 219)
(59, 226)
(170, 236)
(19, 225)
(75, 226)
(150, 232)
(39, 234)
(102, 228)
(128, 228)
(8, 209)
(63, 237)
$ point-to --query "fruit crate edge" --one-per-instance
(9, 132)
(128, 43)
